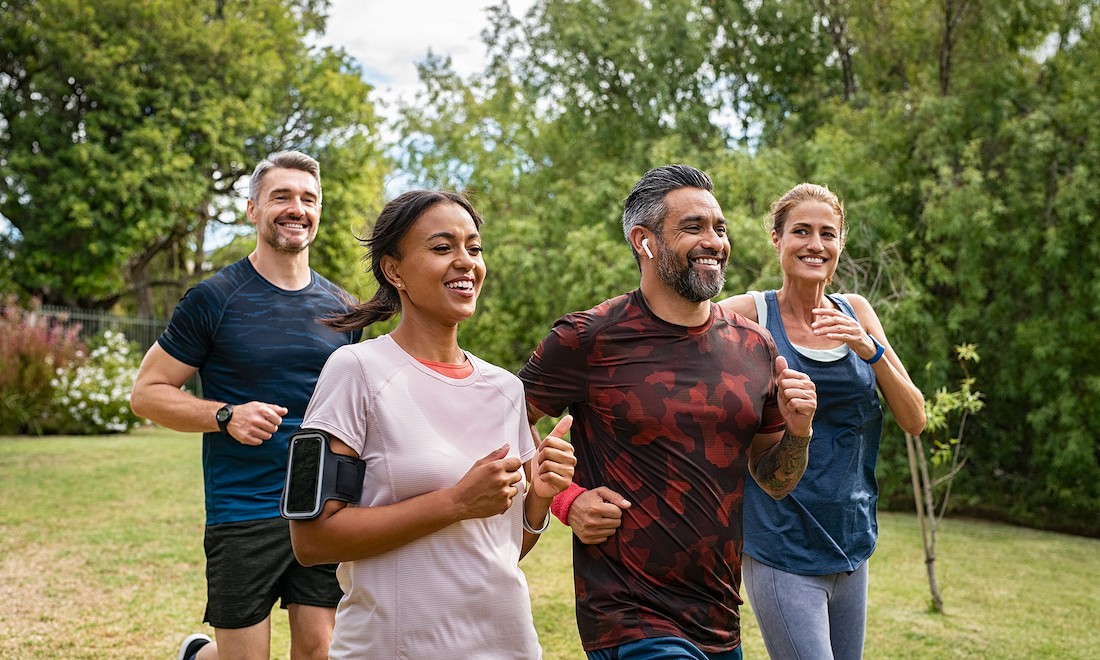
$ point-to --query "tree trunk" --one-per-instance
(838, 30)
(952, 15)
(143, 292)
(926, 513)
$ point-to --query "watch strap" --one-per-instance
(223, 419)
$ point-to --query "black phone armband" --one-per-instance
(315, 475)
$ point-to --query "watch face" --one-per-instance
(223, 414)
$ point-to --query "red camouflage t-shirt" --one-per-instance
(664, 416)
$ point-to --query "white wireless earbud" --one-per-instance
(645, 246)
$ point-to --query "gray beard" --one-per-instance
(276, 242)
(685, 280)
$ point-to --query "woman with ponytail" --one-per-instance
(457, 485)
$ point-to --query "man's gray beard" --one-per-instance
(276, 241)
(688, 283)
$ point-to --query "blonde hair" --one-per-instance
(806, 192)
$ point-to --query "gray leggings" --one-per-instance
(808, 617)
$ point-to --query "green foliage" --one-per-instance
(92, 395)
(32, 348)
(353, 175)
(53, 383)
(125, 127)
(1004, 247)
(960, 135)
(947, 411)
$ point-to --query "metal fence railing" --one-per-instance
(93, 322)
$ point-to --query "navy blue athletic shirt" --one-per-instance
(252, 341)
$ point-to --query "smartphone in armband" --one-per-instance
(315, 475)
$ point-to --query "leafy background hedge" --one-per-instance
(52, 382)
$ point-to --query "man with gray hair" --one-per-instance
(675, 403)
(251, 332)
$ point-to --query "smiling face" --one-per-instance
(440, 269)
(287, 210)
(810, 243)
(692, 246)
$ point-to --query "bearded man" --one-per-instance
(252, 333)
(675, 403)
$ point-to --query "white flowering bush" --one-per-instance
(92, 396)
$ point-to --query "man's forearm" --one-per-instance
(173, 408)
(782, 465)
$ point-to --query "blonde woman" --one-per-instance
(805, 556)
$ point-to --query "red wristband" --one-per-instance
(563, 500)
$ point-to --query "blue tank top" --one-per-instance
(827, 524)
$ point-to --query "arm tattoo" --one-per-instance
(781, 466)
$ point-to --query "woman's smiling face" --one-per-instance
(441, 270)
(811, 242)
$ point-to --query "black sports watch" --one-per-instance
(224, 414)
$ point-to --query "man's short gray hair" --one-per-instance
(291, 160)
(645, 206)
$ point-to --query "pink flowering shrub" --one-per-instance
(32, 348)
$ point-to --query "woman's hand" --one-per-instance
(554, 462)
(838, 326)
(487, 488)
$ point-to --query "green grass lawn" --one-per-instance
(101, 557)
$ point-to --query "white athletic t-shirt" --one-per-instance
(457, 593)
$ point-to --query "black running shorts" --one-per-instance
(250, 565)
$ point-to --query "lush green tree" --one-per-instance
(967, 170)
(960, 133)
(577, 101)
(125, 129)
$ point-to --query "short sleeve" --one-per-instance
(188, 337)
(341, 400)
(511, 391)
(556, 375)
(525, 442)
(771, 418)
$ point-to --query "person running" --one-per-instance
(677, 405)
(252, 333)
(805, 558)
(455, 490)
